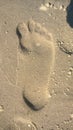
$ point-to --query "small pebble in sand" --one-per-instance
(43, 8)
(1, 108)
(70, 71)
(47, 5)
(71, 115)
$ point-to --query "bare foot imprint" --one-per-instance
(39, 52)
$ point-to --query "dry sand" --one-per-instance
(36, 65)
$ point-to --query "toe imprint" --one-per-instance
(37, 64)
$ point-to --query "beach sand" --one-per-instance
(36, 65)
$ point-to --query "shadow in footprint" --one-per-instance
(29, 104)
(70, 14)
(20, 45)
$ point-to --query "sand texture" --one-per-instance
(36, 65)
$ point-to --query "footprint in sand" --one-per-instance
(39, 53)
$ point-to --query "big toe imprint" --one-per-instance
(37, 42)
